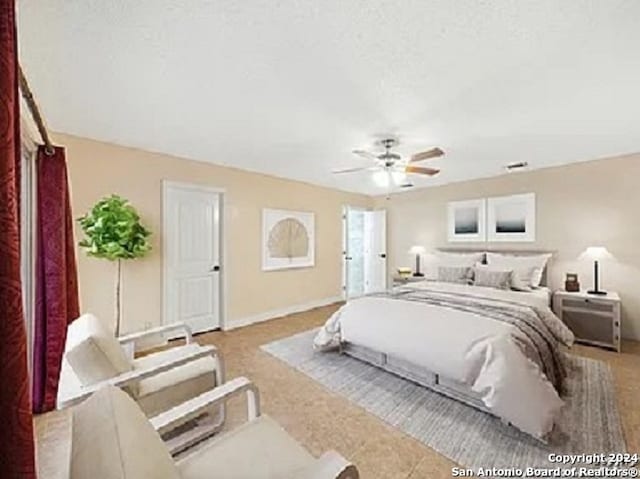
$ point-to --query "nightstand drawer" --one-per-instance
(588, 304)
(590, 327)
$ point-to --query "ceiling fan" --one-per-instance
(391, 167)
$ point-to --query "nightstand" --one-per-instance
(400, 280)
(593, 319)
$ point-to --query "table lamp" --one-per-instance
(596, 253)
(418, 251)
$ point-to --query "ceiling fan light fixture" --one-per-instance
(382, 179)
(398, 177)
(390, 168)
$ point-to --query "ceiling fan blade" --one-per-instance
(425, 155)
(421, 170)
(351, 170)
(365, 154)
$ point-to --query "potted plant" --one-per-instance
(113, 232)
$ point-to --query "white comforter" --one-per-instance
(459, 345)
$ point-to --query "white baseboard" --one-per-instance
(277, 313)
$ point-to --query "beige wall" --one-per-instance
(97, 169)
(590, 203)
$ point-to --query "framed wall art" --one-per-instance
(512, 218)
(467, 221)
(288, 239)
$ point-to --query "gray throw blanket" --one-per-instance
(535, 336)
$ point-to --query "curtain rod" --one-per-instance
(27, 94)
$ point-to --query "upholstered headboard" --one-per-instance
(512, 252)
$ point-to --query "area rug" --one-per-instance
(589, 422)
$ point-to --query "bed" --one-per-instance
(498, 350)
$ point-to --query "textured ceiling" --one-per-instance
(290, 87)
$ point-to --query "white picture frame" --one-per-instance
(288, 239)
(512, 218)
(466, 220)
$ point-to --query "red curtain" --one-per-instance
(56, 276)
(16, 430)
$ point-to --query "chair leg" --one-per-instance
(220, 378)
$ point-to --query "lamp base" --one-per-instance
(597, 293)
(418, 275)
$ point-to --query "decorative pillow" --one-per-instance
(491, 278)
(93, 352)
(446, 259)
(516, 282)
(528, 269)
(455, 274)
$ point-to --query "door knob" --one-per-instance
(383, 255)
(215, 268)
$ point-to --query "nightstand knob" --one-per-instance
(617, 323)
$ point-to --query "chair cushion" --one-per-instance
(112, 439)
(93, 352)
(166, 390)
(259, 449)
(69, 385)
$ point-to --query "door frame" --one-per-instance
(222, 283)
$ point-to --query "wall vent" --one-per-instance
(516, 166)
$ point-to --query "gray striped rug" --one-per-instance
(473, 439)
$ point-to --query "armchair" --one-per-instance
(94, 358)
(109, 429)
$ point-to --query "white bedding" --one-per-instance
(459, 345)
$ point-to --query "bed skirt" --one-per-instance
(417, 374)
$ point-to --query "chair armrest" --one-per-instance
(133, 377)
(129, 338)
(330, 465)
(193, 408)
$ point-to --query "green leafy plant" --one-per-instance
(113, 231)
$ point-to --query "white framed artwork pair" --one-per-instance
(500, 219)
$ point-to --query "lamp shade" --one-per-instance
(417, 250)
(596, 253)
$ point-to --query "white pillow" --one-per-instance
(528, 268)
(448, 260)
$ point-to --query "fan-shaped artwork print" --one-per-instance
(288, 239)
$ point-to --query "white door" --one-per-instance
(376, 251)
(192, 256)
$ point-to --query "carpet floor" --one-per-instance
(589, 422)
